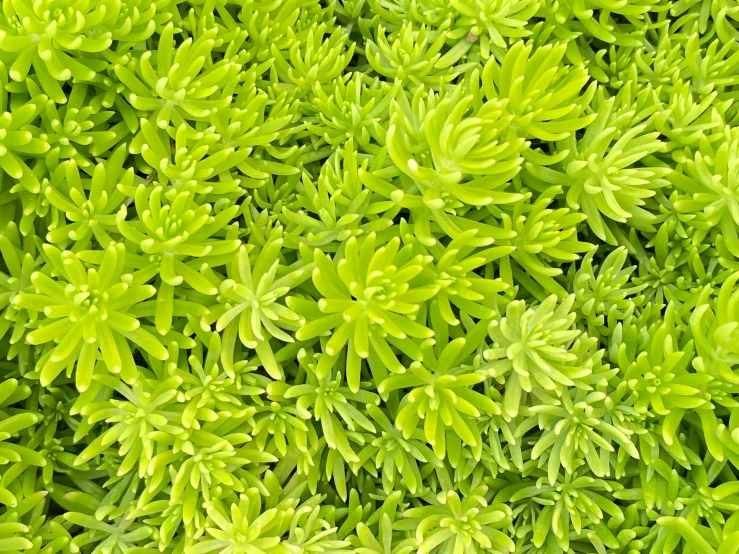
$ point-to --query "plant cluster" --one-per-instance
(369, 276)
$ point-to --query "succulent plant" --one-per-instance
(251, 305)
(369, 277)
(86, 317)
(530, 349)
(540, 93)
(468, 523)
(451, 157)
(363, 299)
(441, 394)
(180, 84)
(414, 58)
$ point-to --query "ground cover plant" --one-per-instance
(369, 276)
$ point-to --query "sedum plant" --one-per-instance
(707, 187)
(369, 277)
(86, 316)
(452, 159)
(364, 300)
(530, 347)
(597, 171)
(414, 58)
(466, 523)
(85, 209)
(180, 84)
(442, 395)
(493, 22)
(541, 95)
(253, 306)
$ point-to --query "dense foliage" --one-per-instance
(369, 276)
